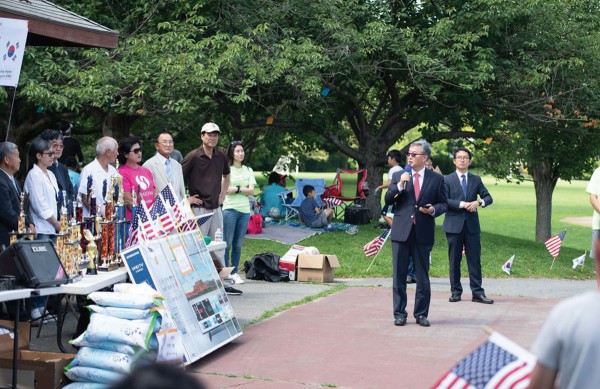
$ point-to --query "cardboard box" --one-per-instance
(289, 259)
(316, 268)
(37, 370)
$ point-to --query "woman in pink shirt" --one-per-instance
(135, 176)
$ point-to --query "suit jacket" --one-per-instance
(456, 216)
(159, 172)
(11, 201)
(64, 184)
(407, 207)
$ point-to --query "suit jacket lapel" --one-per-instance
(162, 169)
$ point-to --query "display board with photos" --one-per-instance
(179, 266)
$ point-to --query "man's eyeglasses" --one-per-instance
(462, 158)
(136, 151)
(167, 142)
(413, 154)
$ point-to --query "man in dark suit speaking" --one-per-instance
(461, 225)
(419, 198)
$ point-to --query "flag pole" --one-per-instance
(376, 255)
(552, 263)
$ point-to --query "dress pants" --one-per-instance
(401, 253)
(472, 244)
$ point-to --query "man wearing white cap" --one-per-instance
(206, 171)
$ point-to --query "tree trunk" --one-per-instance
(117, 125)
(374, 179)
(544, 181)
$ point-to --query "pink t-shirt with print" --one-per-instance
(134, 177)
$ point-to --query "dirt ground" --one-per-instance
(585, 221)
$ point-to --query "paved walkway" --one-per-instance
(348, 340)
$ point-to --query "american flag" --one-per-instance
(498, 363)
(162, 220)
(169, 198)
(373, 247)
(189, 221)
(147, 223)
(132, 238)
(332, 202)
(553, 244)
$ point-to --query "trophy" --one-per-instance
(108, 233)
(92, 251)
(22, 229)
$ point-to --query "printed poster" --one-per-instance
(13, 35)
(181, 269)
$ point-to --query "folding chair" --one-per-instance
(292, 210)
(339, 195)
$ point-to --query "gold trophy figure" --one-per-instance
(21, 229)
(92, 251)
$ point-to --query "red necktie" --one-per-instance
(417, 186)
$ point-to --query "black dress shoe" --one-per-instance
(482, 299)
(400, 322)
(422, 321)
(454, 298)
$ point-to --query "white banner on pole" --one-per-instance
(13, 35)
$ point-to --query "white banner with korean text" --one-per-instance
(13, 35)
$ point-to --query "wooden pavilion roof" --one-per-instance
(51, 25)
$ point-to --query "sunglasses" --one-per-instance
(136, 151)
(49, 153)
(413, 154)
(235, 143)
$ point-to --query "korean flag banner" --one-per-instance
(13, 35)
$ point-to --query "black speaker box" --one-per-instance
(34, 263)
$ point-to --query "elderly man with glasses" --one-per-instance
(164, 168)
(418, 198)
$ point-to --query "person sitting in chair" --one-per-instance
(270, 199)
(310, 214)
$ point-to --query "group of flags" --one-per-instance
(553, 244)
(164, 215)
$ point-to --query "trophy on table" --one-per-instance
(22, 229)
(119, 214)
(107, 227)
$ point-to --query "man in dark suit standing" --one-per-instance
(418, 199)
(10, 198)
(10, 192)
(461, 225)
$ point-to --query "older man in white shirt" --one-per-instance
(100, 170)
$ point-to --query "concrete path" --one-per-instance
(348, 340)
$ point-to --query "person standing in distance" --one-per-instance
(461, 225)
(593, 188)
(100, 169)
(206, 171)
(165, 169)
(418, 199)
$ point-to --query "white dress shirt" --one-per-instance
(42, 192)
(99, 175)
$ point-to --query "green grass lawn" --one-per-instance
(508, 227)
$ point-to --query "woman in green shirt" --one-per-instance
(236, 207)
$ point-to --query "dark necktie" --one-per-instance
(463, 183)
